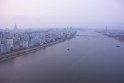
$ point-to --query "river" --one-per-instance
(91, 58)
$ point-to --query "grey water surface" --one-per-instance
(91, 58)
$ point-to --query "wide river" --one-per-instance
(92, 58)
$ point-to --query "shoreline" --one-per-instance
(22, 52)
(118, 37)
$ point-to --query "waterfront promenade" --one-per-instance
(25, 51)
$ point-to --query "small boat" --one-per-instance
(117, 46)
(68, 49)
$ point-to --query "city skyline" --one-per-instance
(64, 13)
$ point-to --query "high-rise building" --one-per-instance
(15, 27)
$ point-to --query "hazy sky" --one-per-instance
(61, 13)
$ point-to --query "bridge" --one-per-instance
(95, 36)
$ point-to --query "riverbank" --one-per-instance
(116, 36)
(15, 54)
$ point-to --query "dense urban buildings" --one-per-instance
(12, 40)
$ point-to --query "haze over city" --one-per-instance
(61, 41)
(61, 13)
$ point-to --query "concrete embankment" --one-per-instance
(14, 54)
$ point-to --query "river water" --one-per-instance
(92, 58)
